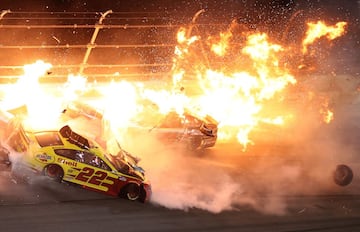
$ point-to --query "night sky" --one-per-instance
(268, 16)
(252, 11)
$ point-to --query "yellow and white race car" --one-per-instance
(67, 156)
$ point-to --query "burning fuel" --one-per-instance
(238, 77)
(320, 29)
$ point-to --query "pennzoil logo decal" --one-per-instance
(43, 157)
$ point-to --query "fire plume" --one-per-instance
(222, 45)
(237, 77)
(235, 97)
(320, 29)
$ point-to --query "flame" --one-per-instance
(222, 45)
(119, 102)
(243, 93)
(329, 116)
(41, 108)
(27, 88)
(75, 85)
(326, 112)
(320, 29)
(236, 98)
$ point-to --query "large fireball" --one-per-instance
(238, 77)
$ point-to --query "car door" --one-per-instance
(80, 169)
(96, 174)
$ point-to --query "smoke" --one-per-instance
(297, 162)
(16, 181)
(181, 180)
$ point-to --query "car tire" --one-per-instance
(131, 192)
(343, 175)
(54, 172)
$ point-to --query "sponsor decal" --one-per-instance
(43, 157)
(67, 162)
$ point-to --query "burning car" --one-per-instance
(67, 156)
(187, 129)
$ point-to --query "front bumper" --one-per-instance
(147, 192)
(208, 141)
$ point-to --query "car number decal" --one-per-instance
(96, 178)
(85, 174)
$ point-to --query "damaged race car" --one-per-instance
(187, 130)
(67, 156)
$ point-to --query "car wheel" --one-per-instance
(54, 171)
(343, 175)
(131, 192)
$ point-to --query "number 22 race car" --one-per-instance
(67, 156)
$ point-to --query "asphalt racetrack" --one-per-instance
(43, 205)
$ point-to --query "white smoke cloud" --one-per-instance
(264, 180)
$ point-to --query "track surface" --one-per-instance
(46, 206)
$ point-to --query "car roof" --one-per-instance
(76, 141)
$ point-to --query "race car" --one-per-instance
(188, 130)
(65, 155)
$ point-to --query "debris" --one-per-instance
(55, 38)
(302, 211)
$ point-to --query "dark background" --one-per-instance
(282, 20)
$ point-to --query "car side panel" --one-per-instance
(75, 171)
(95, 178)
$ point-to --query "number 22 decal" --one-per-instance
(85, 174)
(89, 175)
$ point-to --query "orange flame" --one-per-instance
(222, 45)
(320, 29)
(243, 94)
(235, 98)
(329, 116)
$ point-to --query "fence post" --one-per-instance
(91, 45)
